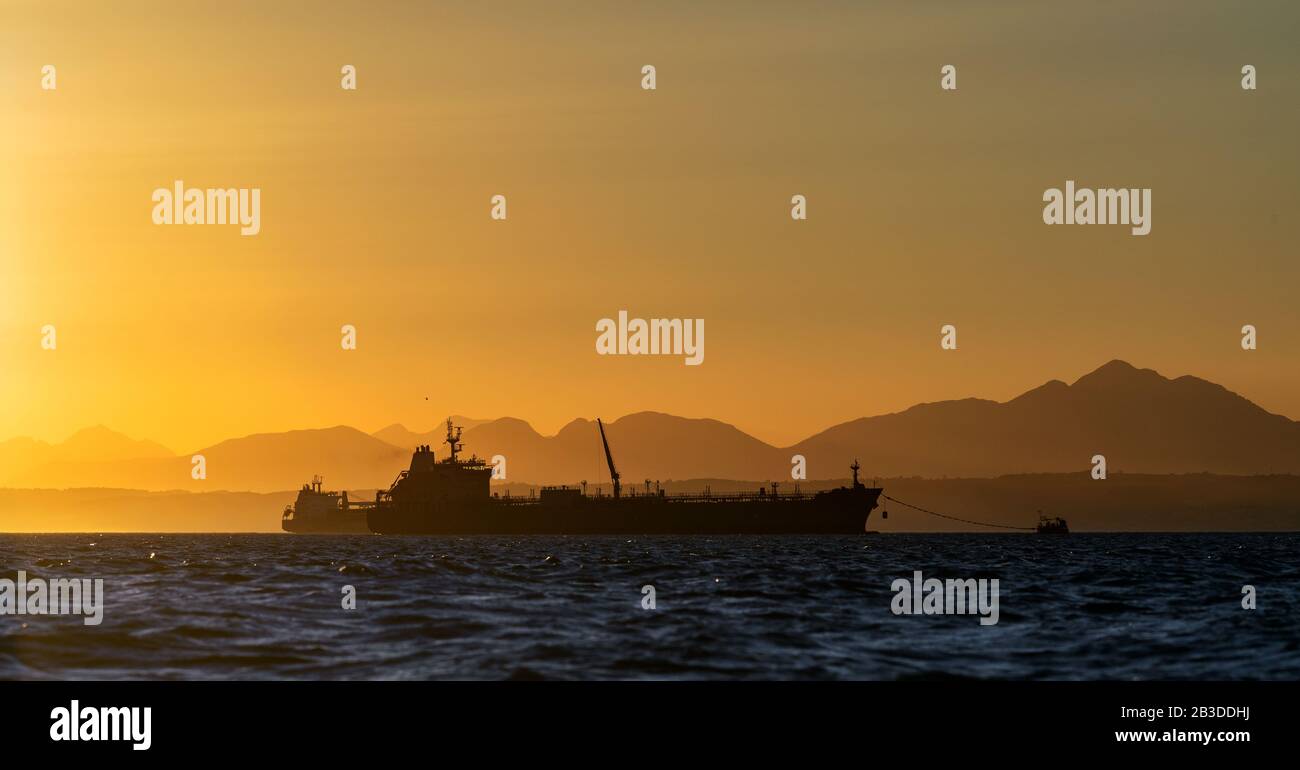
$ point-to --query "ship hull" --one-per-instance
(825, 513)
(335, 524)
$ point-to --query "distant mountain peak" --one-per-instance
(99, 442)
(1118, 372)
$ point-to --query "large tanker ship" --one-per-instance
(452, 496)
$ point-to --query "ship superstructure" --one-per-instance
(323, 512)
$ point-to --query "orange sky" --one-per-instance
(924, 208)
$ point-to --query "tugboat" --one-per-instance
(323, 512)
(452, 497)
(1053, 526)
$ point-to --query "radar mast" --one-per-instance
(453, 440)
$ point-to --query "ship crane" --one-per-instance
(609, 458)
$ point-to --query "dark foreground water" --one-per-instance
(1123, 606)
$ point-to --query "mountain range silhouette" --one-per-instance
(1141, 421)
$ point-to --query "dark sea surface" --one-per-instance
(1081, 606)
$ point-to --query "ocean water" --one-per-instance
(1082, 606)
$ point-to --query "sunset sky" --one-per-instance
(925, 208)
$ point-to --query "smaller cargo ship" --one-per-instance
(321, 512)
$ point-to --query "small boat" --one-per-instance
(1051, 526)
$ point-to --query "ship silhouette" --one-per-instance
(1051, 526)
(323, 512)
(452, 496)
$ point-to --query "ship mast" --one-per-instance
(609, 458)
(453, 439)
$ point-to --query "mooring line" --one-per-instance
(954, 518)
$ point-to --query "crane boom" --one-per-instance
(609, 458)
